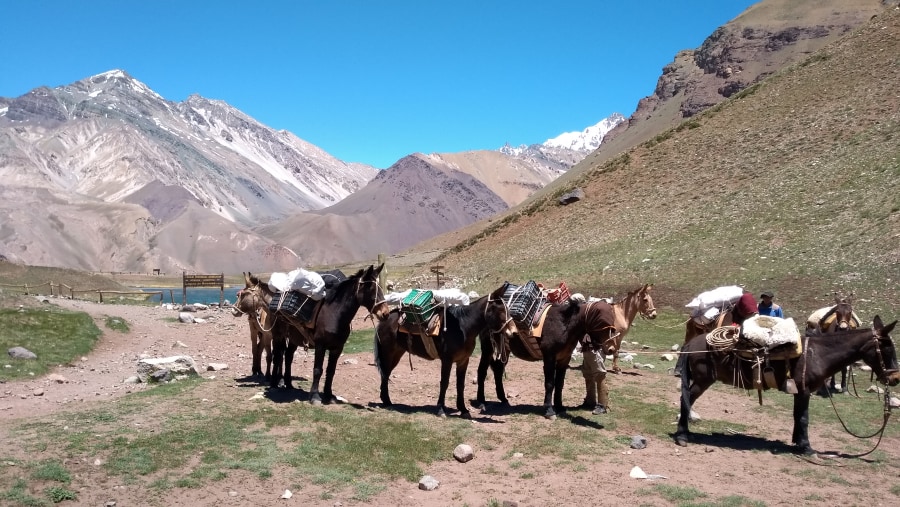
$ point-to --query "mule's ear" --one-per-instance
(247, 278)
(886, 330)
(876, 323)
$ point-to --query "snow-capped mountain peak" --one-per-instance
(588, 139)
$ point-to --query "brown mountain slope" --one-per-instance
(765, 38)
(791, 185)
(416, 198)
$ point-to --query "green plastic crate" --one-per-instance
(418, 306)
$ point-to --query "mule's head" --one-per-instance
(368, 291)
(381, 310)
(884, 359)
(250, 298)
(496, 314)
(843, 313)
(645, 306)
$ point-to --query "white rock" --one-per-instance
(287, 494)
(637, 473)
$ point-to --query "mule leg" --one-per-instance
(318, 361)
(549, 382)
(481, 375)
(800, 438)
(845, 376)
(265, 343)
(278, 352)
(333, 356)
(461, 368)
(499, 369)
(255, 350)
(690, 391)
(559, 381)
(446, 365)
(288, 361)
(389, 356)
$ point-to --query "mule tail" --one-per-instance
(377, 356)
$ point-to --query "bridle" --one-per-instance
(505, 309)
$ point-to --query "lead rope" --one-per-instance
(886, 411)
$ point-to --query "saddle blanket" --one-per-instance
(770, 332)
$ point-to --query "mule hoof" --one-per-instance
(681, 441)
(442, 414)
(481, 408)
(316, 401)
(550, 417)
(465, 415)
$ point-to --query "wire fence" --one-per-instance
(65, 291)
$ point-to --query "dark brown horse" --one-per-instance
(328, 331)
(822, 356)
(829, 319)
(453, 344)
(565, 324)
(253, 302)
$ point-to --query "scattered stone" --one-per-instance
(98, 462)
(199, 321)
(175, 365)
(518, 455)
(134, 379)
(667, 357)
(258, 396)
(179, 343)
(675, 348)
(21, 353)
(232, 494)
(185, 318)
(350, 360)
(56, 377)
(428, 483)
(216, 367)
(638, 442)
(287, 494)
(463, 453)
(38, 392)
(111, 503)
(875, 389)
(894, 402)
(865, 367)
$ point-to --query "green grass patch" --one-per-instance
(55, 336)
(117, 324)
(180, 449)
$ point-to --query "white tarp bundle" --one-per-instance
(770, 331)
(301, 280)
(718, 297)
(444, 297)
(707, 306)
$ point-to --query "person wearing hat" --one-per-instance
(768, 307)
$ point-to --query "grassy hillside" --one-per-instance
(792, 185)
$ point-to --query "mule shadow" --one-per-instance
(250, 381)
(402, 408)
(740, 442)
(495, 408)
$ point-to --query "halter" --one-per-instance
(378, 293)
(885, 371)
(505, 308)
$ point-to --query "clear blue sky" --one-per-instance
(371, 81)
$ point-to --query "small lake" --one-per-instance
(194, 295)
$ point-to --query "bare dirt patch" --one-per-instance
(754, 463)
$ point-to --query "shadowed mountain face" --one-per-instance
(791, 185)
(416, 198)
